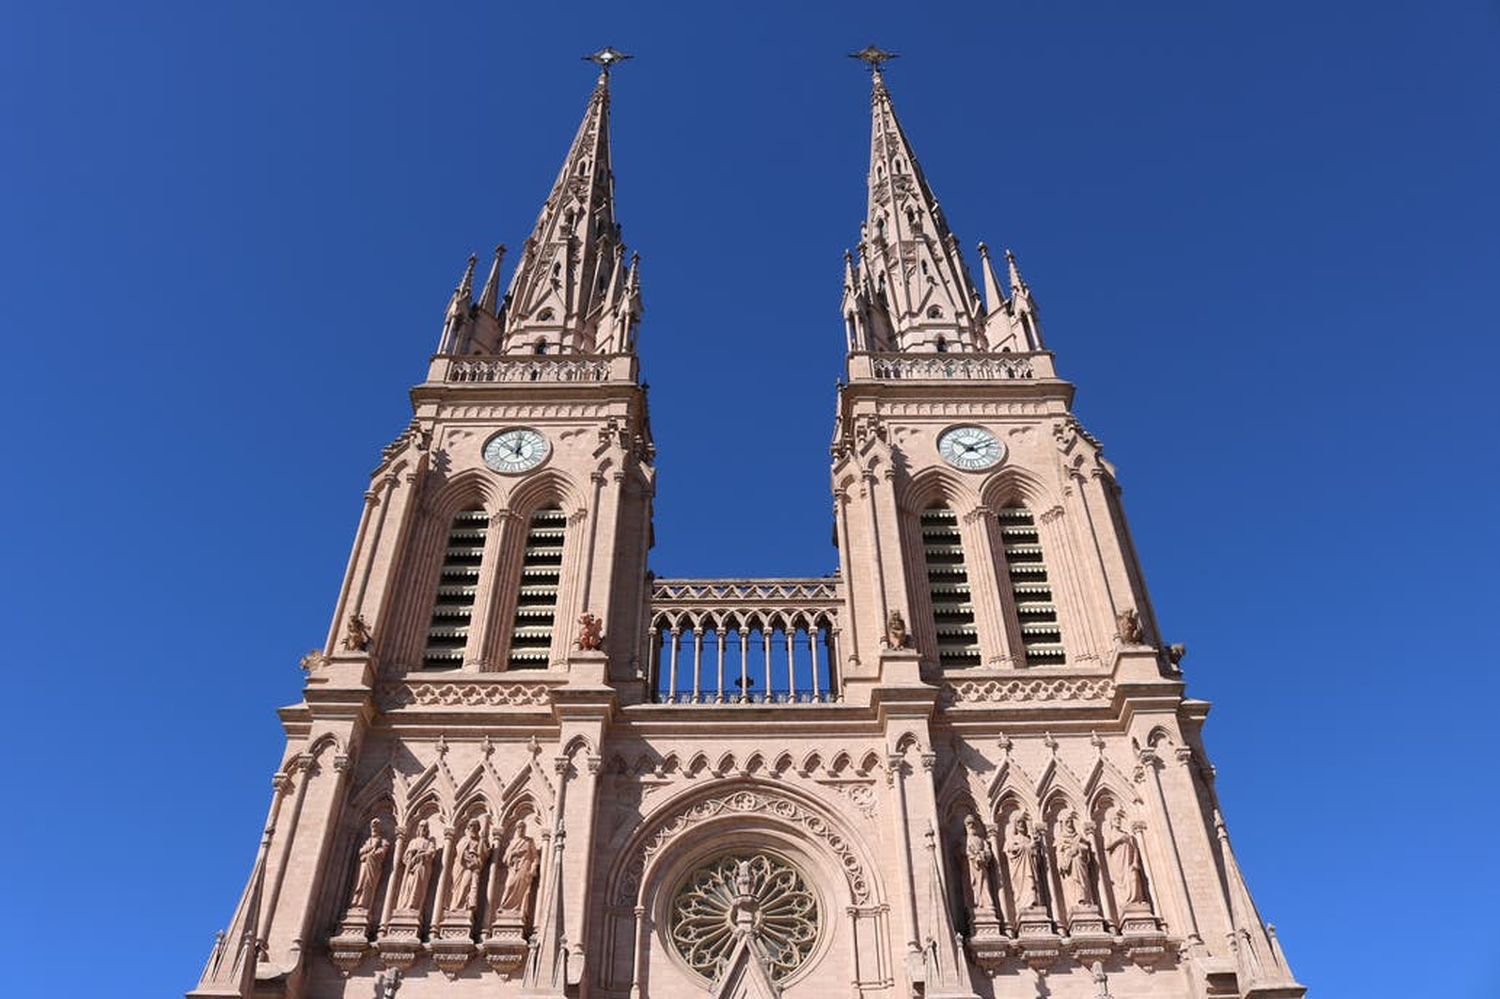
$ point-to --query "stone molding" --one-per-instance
(447, 693)
(744, 801)
(1055, 689)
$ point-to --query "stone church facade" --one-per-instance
(963, 763)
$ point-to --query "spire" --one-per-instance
(489, 297)
(568, 293)
(1256, 950)
(908, 256)
(458, 312)
(994, 299)
(1023, 305)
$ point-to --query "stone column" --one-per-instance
(999, 634)
(499, 537)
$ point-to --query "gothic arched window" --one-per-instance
(536, 590)
(458, 581)
(540, 347)
(948, 589)
(1031, 590)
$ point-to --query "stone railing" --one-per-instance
(744, 641)
(521, 369)
(941, 367)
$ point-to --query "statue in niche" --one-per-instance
(520, 860)
(1128, 626)
(469, 858)
(981, 859)
(1022, 860)
(417, 859)
(1074, 860)
(371, 861)
(590, 633)
(895, 630)
(1126, 869)
(357, 636)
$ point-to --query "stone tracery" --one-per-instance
(706, 905)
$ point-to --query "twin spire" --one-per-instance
(574, 290)
(911, 291)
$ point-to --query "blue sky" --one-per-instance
(1263, 237)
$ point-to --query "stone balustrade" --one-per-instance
(744, 641)
(950, 367)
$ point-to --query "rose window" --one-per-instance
(756, 893)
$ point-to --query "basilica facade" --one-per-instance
(961, 764)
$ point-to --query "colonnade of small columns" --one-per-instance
(743, 657)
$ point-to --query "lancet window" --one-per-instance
(458, 581)
(536, 593)
(948, 589)
(1030, 587)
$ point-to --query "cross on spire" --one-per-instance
(873, 56)
(605, 58)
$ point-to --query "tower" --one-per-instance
(523, 765)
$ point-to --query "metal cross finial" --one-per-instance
(873, 56)
(607, 57)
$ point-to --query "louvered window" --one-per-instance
(536, 600)
(948, 589)
(1035, 610)
(458, 580)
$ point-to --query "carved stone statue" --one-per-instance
(357, 635)
(1127, 871)
(1175, 654)
(313, 661)
(895, 630)
(417, 875)
(981, 860)
(1128, 626)
(590, 633)
(1074, 860)
(520, 859)
(371, 861)
(1021, 860)
(469, 857)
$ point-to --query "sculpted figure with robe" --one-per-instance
(1074, 860)
(1021, 859)
(520, 860)
(1127, 871)
(981, 858)
(418, 858)
(371, 861)
(469, 858)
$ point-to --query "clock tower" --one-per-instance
(960, 762)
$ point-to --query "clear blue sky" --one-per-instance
(1263, 236)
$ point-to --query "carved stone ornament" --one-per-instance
(755, 894)
(371, 863)
(312, 661)
(1175, 654)
(357, 634)
(896, 635)
(1023, 863)
(980, 861)
(417, 862)
(520, 861)
(1128, 626)
(590, 633)
(1074, 860)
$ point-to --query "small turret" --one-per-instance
(457, 316)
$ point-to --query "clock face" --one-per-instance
(970, 448)
(517, 450)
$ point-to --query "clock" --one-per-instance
(970, 448)
(517, 450)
